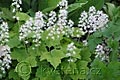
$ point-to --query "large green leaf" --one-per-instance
(111, 9)
(13, 75)
(114, 45)
(54, 57)
(14, 42)
(68, 68)
(7, 14)
(98, 71)
(47, 73)
(85, 54)
(114, 70)
(22, 16)
(75, 6)
(50, 4)
(81, 70)
(19, 54)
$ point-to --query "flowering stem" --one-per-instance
(26, 49)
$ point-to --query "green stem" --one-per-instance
(26, 49)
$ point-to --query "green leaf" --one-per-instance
(93, 41)
(35, 79)
(47, 4)
(48, 9)
(81, 1)
(75, 6)
(23, 69)
(5, 3)
(32, 61)
(13, 75)
(22, 16)
(47, 73)
(98, 4)
(98, 70)
(19, 54)
(111, 9)
(81, 71)
(54, 57)
(114, 45)
(85, 54)
(28, 4)
(7, 14)
(114, 70)
(68, 68)
(14, 42)
(52, 3)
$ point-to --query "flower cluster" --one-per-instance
(25, 30)
(4, 33)
(32, 29)
(92, 20)
(5, 59)
(16, 4)
(62, 17)
(59, 25)
(52, 19)
(102, 52)
(71, 51)
(38, 25)
(63, 4)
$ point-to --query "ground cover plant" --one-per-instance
(59, 39)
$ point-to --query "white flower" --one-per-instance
(25, 30)
(52, 19)
(85, 42)
(5, 58)
(70, 23)
(16, 4)
(92, 20)
(32, 27)
(63, 4)
(4, 32)
(70, 60)
(71, 51)
(102, 52)
(58, 24)
(38, 25)
(62, 18)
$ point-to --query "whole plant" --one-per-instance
(59, 40)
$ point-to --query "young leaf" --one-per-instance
(32, 61)
(24, 70)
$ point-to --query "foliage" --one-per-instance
(53, 60)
